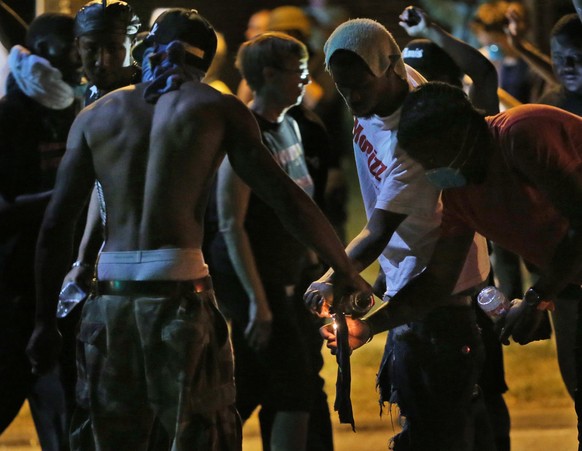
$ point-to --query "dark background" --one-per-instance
(230, 16)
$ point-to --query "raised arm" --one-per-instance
(483, 92)
(233, 198)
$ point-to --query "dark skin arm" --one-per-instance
(364, 249)
(428, 290)
(483, 92)
(522, 320)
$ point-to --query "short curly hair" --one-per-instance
(435, 116)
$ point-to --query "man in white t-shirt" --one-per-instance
(432, 363)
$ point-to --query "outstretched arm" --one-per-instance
(428, 290)
(364, 249)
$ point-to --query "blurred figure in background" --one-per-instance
(489, 25)
(515, 77)
(258, 23)
(12, 32)
(36, 114)
(213, 76)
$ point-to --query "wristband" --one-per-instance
(81, 264)
(534, 300)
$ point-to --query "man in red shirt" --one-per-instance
(515, 178)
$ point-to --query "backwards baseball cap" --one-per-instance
(432, 62)
(111, 16)
(187, 26)
(371, 41)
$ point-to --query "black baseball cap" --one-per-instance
(111, 16)
(190, 28)
(432, 62)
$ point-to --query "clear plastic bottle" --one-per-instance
(69, 297)
(493, 302)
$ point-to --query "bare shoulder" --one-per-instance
(115, 100)
(196, 95)
(198, 103)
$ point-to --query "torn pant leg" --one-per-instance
(435, 367)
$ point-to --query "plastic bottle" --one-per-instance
(69, 297)
(493, 302)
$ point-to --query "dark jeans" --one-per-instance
(433, 367)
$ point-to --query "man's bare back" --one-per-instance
(156, 164)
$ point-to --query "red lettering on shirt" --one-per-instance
(375, 166)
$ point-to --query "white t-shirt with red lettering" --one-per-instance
(391, 180)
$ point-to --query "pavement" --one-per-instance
(533, 429)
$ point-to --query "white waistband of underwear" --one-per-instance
(159, 264)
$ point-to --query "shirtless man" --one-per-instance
(155, 345)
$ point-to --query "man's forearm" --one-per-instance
(241, 255)
(411, 303)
